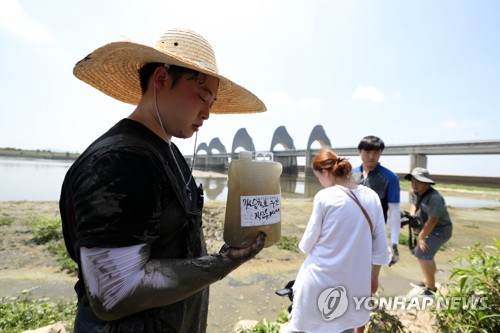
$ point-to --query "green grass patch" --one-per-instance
(5, 219)
(47, 230)
(477, 276)
(21, 313)
(44, 229)
(382, 322)
(403, 238)
(288, 243)
(263, 326)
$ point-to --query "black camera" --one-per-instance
(287, 291)
(411, 220)
(414, 227)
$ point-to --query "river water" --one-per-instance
(41, 180)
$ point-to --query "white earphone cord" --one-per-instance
(170, 147)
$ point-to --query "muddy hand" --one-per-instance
(244, 253)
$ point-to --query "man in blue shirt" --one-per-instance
(383, 181)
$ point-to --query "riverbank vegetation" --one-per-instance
(23, 312)
(475, 279)
(47, 230)
(43, 154)
(457, 188)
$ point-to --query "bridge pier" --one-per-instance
(308, 170)
(418, 160)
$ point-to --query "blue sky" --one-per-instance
(407, 71)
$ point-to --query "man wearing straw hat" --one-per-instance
(130, 208)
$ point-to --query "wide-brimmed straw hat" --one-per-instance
(420, 174)
(114, 69)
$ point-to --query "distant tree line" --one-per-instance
(38, 153)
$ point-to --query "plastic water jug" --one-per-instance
(253, 200)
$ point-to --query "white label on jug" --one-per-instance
(260, 210)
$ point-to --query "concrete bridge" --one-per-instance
(215, 157)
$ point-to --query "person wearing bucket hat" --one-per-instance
(429, 206)
(420, 174)
(129, 205)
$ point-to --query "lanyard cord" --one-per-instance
(171, 150)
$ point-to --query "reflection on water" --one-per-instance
(41, 180)
(293, 187)
(215, 188)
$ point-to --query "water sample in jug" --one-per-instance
(253, 199)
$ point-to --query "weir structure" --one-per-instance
(215, 157)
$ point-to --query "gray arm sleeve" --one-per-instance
(123, 281)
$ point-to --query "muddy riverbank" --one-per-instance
(247, 293)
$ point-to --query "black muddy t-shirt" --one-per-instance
(126, 189)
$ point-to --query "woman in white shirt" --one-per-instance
(345, 243)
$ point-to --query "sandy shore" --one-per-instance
(248, 292)
(208, 174)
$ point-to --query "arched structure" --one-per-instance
(220, 163)
(208, 161)
(201, 160)
(242, 139)
(281, 137)
(216, 144)
(317, 134)
(202, 147)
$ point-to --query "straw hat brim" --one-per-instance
(114, 70)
